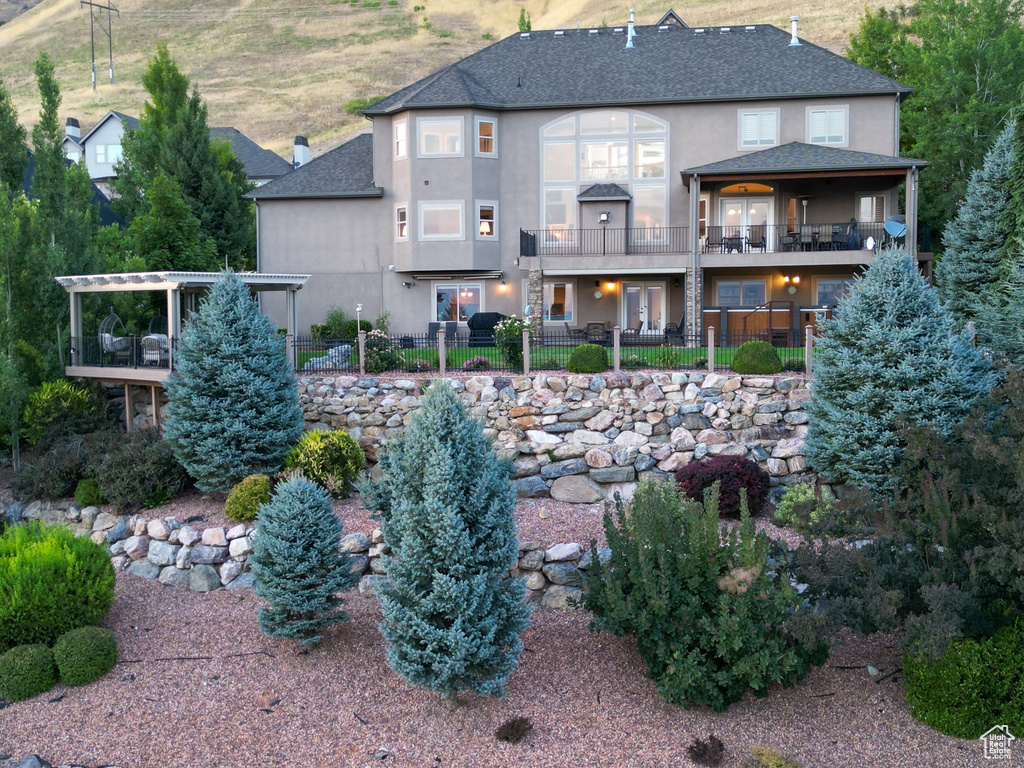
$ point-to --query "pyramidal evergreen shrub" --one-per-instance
(452, 610)
(298, 563)
(891, 353)
(234, 404)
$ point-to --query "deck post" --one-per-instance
(129, 408)
(711, 349)
(526, 351)
(291, 322)
(362, 352)
(616, 348)
(808, 348)
(156, 405)
(442, 351)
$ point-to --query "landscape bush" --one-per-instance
(709, 620)
(51, 582)
(54, 474)
(243, 503)
(60, 408)
(333, 460)
(508, 338)
(477, 361)
(85, 654)
(733, 474)
(88, 493)
(809, 510)
(978, 683)
(26, 671)
(588, 358)
(382, 353)
(756, 358)
(139, 471)
(769, 757)
(297, 560)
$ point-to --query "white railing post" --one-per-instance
(362, 352)
(808, 348)
(442, 356)
(711, 349)
(526, 351)
(616, 349)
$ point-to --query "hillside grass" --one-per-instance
(274, 69)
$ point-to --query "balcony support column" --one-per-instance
(911, 197)
(694, 292)
(535, 301)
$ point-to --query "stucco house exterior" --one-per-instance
(101, 149)
(640, 177)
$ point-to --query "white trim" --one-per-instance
(460, 204)
(404, 124)
(477, 152)
(476, 225)
(740, 146)
(885, 206)
(398, 237)
(423, 121)
(845, 108)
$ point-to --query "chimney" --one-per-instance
(630, 32)
(796, 40)
(72, 130)
(301, 156)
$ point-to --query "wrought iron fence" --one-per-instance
(788, 346)
(131, 351)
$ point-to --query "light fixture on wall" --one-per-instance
(791, 283)
(407, 284)
(597, 293)
(604, 217)
(502, 286)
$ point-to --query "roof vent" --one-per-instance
(594, 31)
(795, 41)
(750, 29)
(663, 28)
(699, 31)
(618, 31)
(560, 33)
(725, 30)
(631, 33)
(524, 35)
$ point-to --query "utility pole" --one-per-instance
(109, 8)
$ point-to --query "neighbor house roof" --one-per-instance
(127, 120)
(797, 156)
(259, 163)
(669, 64)
(345, 171)
(106, 213)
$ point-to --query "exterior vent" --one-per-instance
(699, 31)
(663, 28)
(560, 33)
(618, 31)
(725, 30)
(594, 31)
(795, 41)
(524, 35)
(750, 29)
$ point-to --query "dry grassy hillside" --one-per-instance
(274, 69)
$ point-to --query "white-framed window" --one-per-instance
(828, 125)
(559, 161)
(740, 293)
(440, 136)
(441, 220)
(829, 290)
(649, 210)
(401, 139)
(604, 122)
(402, 222)
(101, 153)
(113, 153)
(486, 137)
(559, 300)
(649, 159)
(74, 157)
(486, 220)
(560, 208)
(565, 127)
(871, 208)
(757, 129)
(457, 301)
(601, 160)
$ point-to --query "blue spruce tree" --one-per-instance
(892, 351)
(234, 404)
(972, 263)
(298, 563)
(452, 611)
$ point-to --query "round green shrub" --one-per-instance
(245, 498)
(756, 358)
(51, 581)
(977, 684)
(334, 460)
(140, 470)
(588, 358)
(26, 671)
(88, 493)
(85, 654)
(60, 407)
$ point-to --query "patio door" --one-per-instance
(643, 306)
(739, 214)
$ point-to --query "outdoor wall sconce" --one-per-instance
(604, 217)
(609, 286)
(791, 283)
(502, 286)
(597, 293)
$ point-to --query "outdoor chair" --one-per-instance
(112, 339)
(154, 349)
(714, 242)
(808, 237)
(838, 238)
(757, 238)
(675, 330)
(596, 334)
(574, 332)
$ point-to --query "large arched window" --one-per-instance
(623, 147)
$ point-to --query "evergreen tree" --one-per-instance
(524, 21)
(891, 353)
(1000, 322)
(234, 404)
(452, 611)
(13, 152)
(298, 563)
(970, 267)
(1011, 219)
(49, 183)
(167, 236)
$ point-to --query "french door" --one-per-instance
(739, 214)
(643, 307)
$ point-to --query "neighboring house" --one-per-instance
(106, 213)
(641, 177)
(101, 148)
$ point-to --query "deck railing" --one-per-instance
(603, 241)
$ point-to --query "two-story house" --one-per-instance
(727, 177)
(101, 150)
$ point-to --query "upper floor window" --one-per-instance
(826, 126)
(649, 159)
(485, 136)
(113, 153)
(101, 153)
(871, 208)
(758, 129)
(487, 221)
(440, 137)
(74, 157)
(441, 220)
(600, 160)
(401, 222)
(401, 140)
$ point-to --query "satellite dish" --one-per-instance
(896, 226)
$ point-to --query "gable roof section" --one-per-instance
(345, 171)
(604, 192)
(797, 156)
(127, 120)
(107, 215)
(672, 65)
(259, 163)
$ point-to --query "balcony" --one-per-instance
(605, 241)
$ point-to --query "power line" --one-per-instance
(109, 7)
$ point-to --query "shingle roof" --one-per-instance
(797, 156)
(604, 192)
(259, 163)
(107, 215)
(672, 65)
(345, 171)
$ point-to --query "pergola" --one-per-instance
(181, 289)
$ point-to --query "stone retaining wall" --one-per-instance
(203, 560)
(579, 438)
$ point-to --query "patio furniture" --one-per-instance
(155, 349)
(596, 334)
(574, 332)
(790, 241)
(838, 241)
(757, 238)
(808, 237)
(853, 239)
(112, 339)
(714, 242)
(731, 243)
(481, 328)
(451, 331)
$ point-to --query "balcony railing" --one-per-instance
(107, 351)
(770, 238)
(605, 241)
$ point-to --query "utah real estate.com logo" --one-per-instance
(997, 740)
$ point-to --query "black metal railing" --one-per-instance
(604, 241)
(131, 351)
(788, 343)
(771, 238)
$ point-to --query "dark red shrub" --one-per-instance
(734, 473)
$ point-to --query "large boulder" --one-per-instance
(576, 489)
